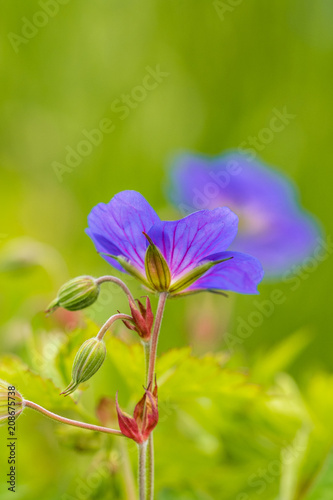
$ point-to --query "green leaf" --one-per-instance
(192, 377)
(282, 355)
(128, 359)
(32, 386)
(323, 487)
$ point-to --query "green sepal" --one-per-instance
(180, 295)
(129, 268)
(157, 269)
(193, 276)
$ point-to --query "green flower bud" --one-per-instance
(76, 294)
(157, 269)
(11, 402)
(87, 362)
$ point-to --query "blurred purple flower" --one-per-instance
(190, 253)
(272, 225)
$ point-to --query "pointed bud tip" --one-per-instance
(150, 241)
(87, 362)
(52, 307)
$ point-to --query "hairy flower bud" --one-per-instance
(157, 269)
(11, 402)
(76, 294)
(87, 362)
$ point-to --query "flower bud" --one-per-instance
(76, 294)
(157, 269)
(87, 362)
(11, 402)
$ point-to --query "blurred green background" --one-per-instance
(221, 70)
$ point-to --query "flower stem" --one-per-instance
(150, 468)
(150, 352)
(146, 346)
(109, 322)
(150, 449)
(142, 471)
(154, 338)
(117, 281)
(69, 421)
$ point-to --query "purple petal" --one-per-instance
(272, 225)
(186, 242)
(293, 239)
(240, 274)
(209, 182)
(116, 228)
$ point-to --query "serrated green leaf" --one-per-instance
(193, 377)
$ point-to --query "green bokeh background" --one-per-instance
(226, 72)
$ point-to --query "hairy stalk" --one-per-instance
(150, 468)
(150, 448)
(150, 356)
(109, 322)
(154, 338)
(116, 281)
(142, 471)
(146, 346)
(68, 421)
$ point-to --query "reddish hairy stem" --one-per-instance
(69, 421)
(151, 359)
(154, 338)
(117, 281)
(109, 322)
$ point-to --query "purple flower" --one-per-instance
(183, 256)
(272, 225)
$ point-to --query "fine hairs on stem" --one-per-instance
(69, 421)
(150, 356)
(150, 468)
(154, 339)
(116, 281)
(142, 470)
(110, 322)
